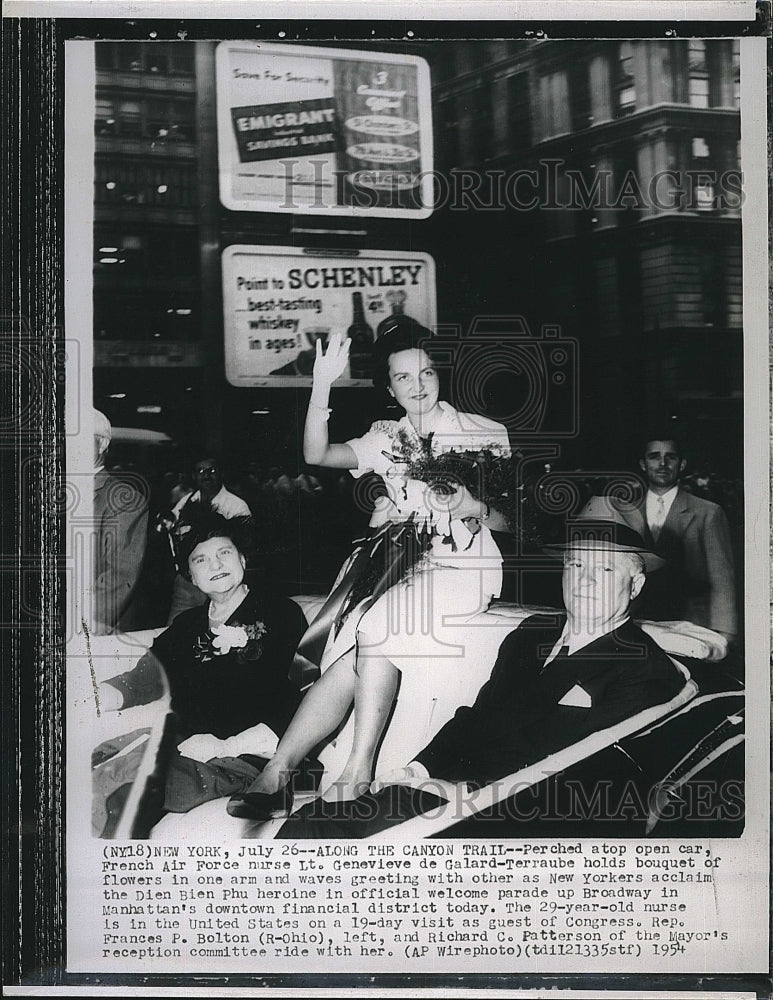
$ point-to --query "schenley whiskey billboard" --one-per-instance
(279, 301)
(323, 131)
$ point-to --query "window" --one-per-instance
(168, 58)
(129, 56)
(579, 94)
(105, 120)
(124, 314)
(129, 182)
(703, 174)
(130, 118)
(554, 105)
(626, 81)
(171, 120)
(737, 72)
(160, 119)
(713, 290)
(157, 58)
(585, 196)
(104, 55)
(667, 67)
(152, 252)
(698, 74)
(182, 58)
(519, 123)
(122, 253)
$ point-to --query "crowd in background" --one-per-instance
(305, 520)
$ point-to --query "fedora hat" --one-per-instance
(594, 533)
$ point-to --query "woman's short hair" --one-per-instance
(408, 335)
(202, 523)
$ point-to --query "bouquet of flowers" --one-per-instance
(487, 472)
(398, 545)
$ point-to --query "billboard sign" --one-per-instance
(279, 301)
(323, 131)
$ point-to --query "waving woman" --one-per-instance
(429, 559)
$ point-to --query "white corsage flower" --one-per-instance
(228, 637)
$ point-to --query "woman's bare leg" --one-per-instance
(375, 687)
(320, 712)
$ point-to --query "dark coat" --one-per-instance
(518, 717)
(121, 532)
(226, 694)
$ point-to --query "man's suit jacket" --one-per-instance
(527, 710)
(121, 531)
(698, 582)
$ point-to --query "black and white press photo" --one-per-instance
(415, 583)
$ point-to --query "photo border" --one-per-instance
(33, 307)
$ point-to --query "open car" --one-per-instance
(672, 770)
(675, 770)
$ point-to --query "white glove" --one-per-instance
(330, 364)
(202, 747)
(259, 740)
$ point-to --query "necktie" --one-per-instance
(658, 518)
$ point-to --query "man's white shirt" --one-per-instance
(651, 504)
(575, 641)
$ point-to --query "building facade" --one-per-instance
(592, 186)
(148, 350)
(632, 151)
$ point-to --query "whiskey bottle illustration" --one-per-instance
(397, 318)
(361, 336)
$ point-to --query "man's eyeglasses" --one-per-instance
(207, 469)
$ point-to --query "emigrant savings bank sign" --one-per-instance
(323, 131)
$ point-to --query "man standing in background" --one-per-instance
(121, 532)
(690, 533)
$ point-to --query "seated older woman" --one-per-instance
(226, 663)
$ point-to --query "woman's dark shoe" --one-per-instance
(305, 779)
(261, 806)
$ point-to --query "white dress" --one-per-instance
(420, 624)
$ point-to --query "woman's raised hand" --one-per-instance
(328, 365)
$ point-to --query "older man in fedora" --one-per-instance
(557, 678)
